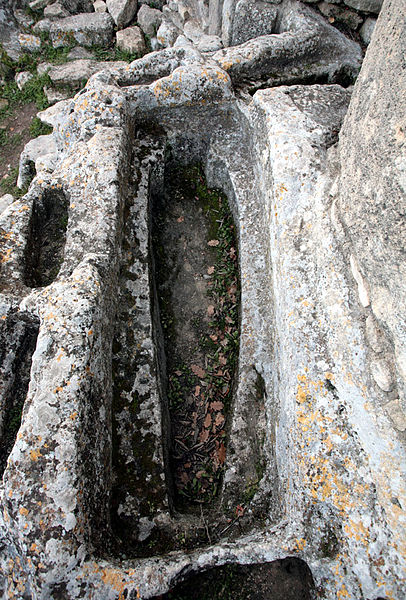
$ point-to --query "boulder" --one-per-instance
(39, 146)
(77, 6)
(372, 6)
(252, 19)
(131, 40)
(55, 11)
(43, 26)
(86, 29)
(22, 78)
(122, 11)
(71, 75)
(367, 30)
(372, 184)
(350, 18)
(167, 34)
(50, 115)
(28, 42)
(149, 19)
(100, 6)
(38, 5)
(5, 202)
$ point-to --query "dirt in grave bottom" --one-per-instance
(287, 579)
(196, 263)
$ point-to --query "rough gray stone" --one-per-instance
(397, 414)
(122, 11)
(5, 202)
(55, 11)
(367, 30)
(22, 78)
(86, 29)
(72, 74)
(375, 335)
(100, 6)
(50, 115)
(374, 129)
(78, 52)
(252, 19)
(39, 146)
(39, 4)
(332, 492)
(307, 47)
(53, 95)
(167, 34)
(131, 40)
(373, 6)
(149, 19)
(382, 375)
(77, 6)
(42, 26)
(22, 18)
(349, 17)
(28, 42)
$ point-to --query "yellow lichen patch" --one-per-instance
(115, 579)
(23, 511)
(5, 257)
(35, 454)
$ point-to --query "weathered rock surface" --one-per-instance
(149, 19)
(122, 11)
(318, 421)
(131, 40)
(375, 223)
(373, 6)
(252, 19)
(86, 29)
(55, 11)
(72, 74)
(367, 30)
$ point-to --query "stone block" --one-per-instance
(22, 78)
(122, 11)
(55, 11)
(131, 40)
(367, 30)
(149, 19)
(372, 6)
(252, 19)
(86, 29)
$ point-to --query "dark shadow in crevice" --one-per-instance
(286, 579)
(46, 238)
(18, 338)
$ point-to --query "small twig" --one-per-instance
(205, 524)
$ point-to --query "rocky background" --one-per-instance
(269, 98)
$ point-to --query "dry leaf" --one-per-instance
(229, 320)
(210, 270)
(222, 360)
(207, 421)
(197, 390)
(213, 243)
(199, 474)
(187, 465)
(204, 436)
(224, 342)
(232, 252)
(213, 338)
(219, 373)
(180, 220)
(184, 477)
(219, 420)
(217, 405)
(178, 373)
(210, 310)
(198, 370)
(221, 453)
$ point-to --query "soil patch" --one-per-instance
(195, 254)
(14, 134)
(288, 579)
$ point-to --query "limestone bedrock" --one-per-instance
(320, 232)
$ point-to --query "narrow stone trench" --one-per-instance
(195, 256)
